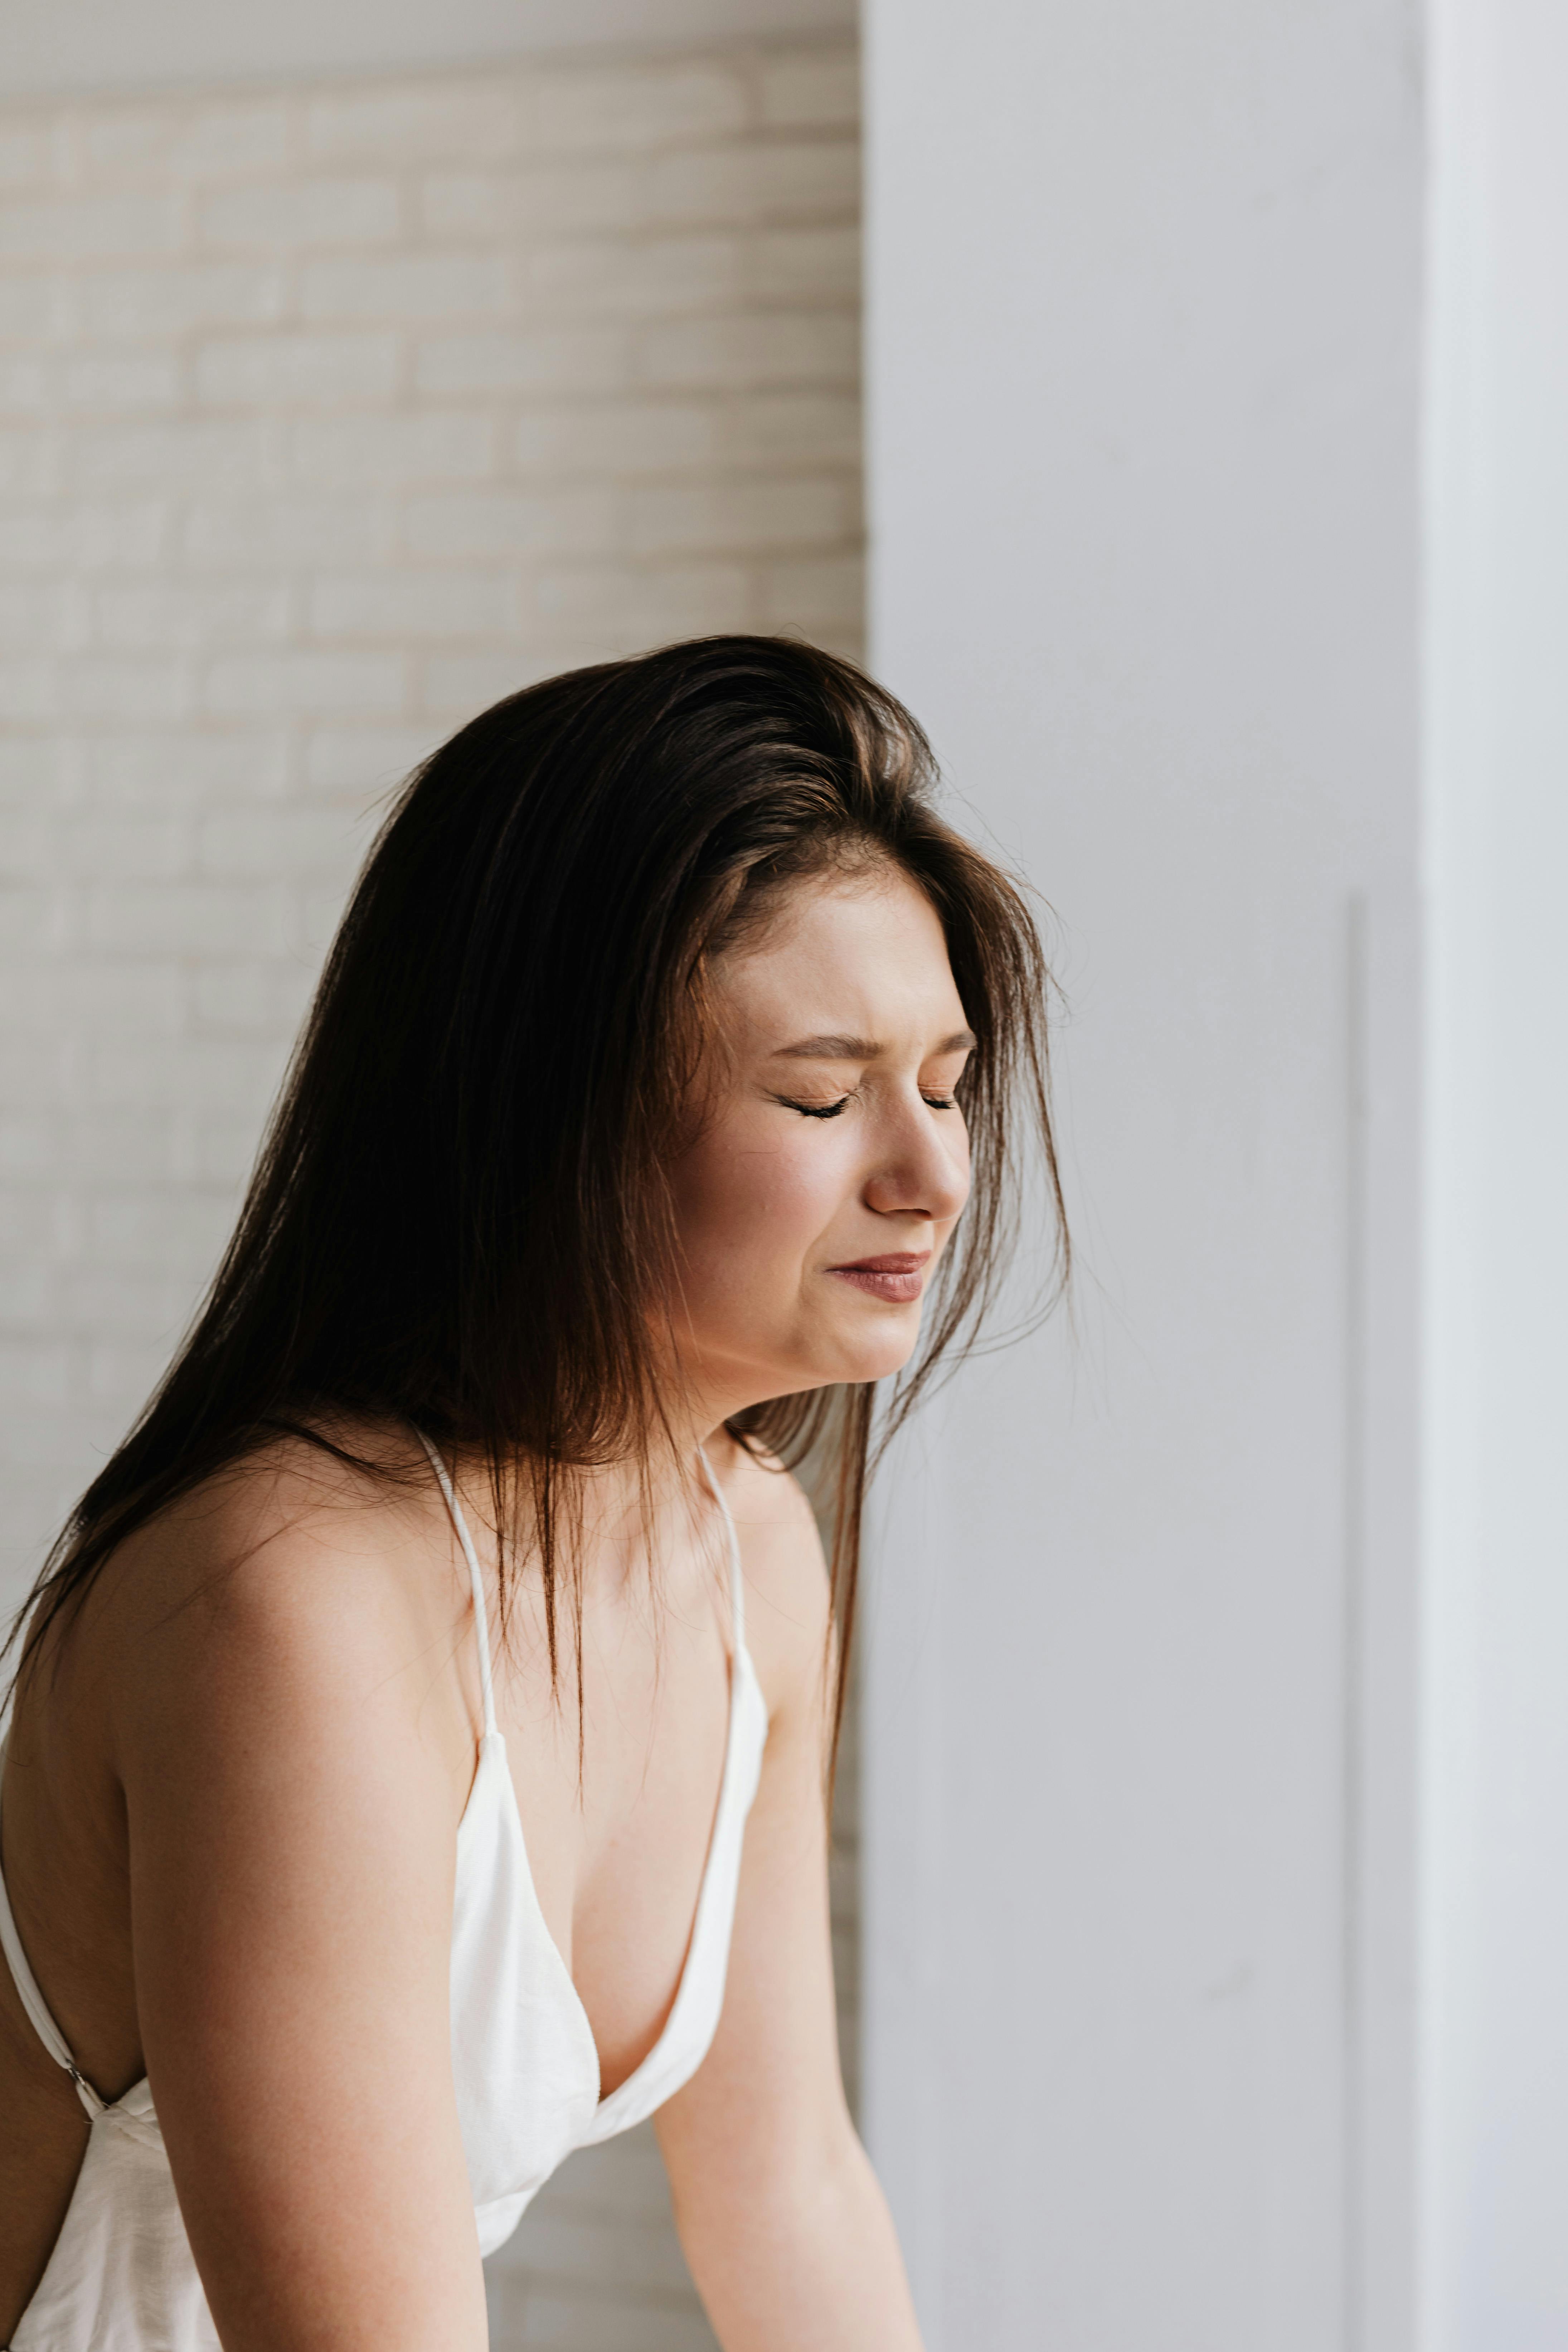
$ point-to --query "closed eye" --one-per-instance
(831, 1111)
(815, 1110)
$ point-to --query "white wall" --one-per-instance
(73, 46)
(1144, 315)
(1497, 1722)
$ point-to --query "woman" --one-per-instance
(418, 1754)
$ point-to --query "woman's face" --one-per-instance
(833, 1163)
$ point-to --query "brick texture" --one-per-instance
(328, 416)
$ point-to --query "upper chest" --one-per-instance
(616, 1767)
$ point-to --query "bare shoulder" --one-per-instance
(787, 1598)
(260, 1681)
(291, 1581)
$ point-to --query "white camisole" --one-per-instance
(121, 2277)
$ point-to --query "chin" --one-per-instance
(878, 1358)
(825, 1360)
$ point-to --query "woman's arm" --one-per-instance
(784, 2225)
(291, 1812)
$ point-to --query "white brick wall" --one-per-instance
(327, 415)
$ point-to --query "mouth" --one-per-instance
(899, 1277)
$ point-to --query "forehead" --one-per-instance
(861, 953)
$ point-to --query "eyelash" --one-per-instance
(831, 1111)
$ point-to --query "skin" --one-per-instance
(231, 1815)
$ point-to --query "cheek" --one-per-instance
(767, 1194)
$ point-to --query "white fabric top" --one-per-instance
(121, 2277)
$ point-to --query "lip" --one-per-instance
(898, 1277)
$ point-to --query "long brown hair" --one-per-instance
(459, 1221)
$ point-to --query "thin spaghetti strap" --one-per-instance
(33, 2002)
(476, 1578)
(736, 1583)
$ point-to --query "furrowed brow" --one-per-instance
(859, 1049)
(830, 1049)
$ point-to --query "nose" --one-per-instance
(922, 1167)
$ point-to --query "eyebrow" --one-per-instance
(859, 1049)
